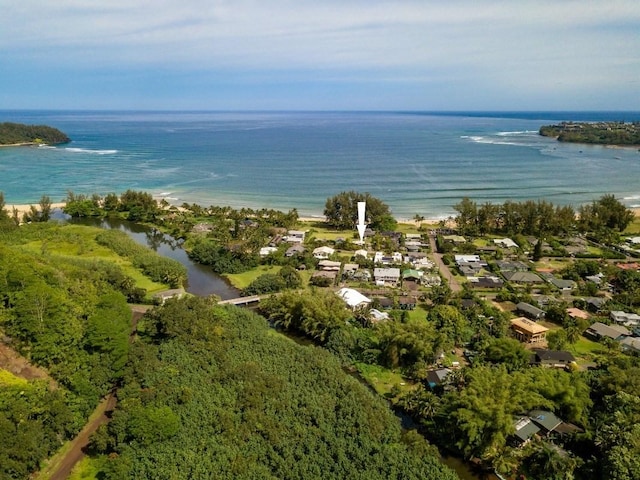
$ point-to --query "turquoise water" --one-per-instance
(416, 162)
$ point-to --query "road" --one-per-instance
(444, 269)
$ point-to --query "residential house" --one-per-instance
(407, 303)
(349, 269)
(544, 300)
(413, 275)
(264, 251)
(329, 266)
(331, 276)
(437, 377)
(624, 318)
(467, 259)
(162, 297)
(361, 253)
(561, 284)
(353, 298)
(545, 420)
(295, 236)
(323, 252)
(431, 280)
(630, 344)
(599, 330)
(525, 430)
(522, 277)
(551, 358)
(505, 243)
(485, 282)
(527, 331)
(577, 314)
(386, 276)
(377, 316)
(296, 249)
(595, 304)
(455, 239)
(511, 266)
(385, 302)
(530, 311)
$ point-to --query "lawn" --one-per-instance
(242, 280)
(89, 468)
(383, 380)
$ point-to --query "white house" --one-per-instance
(353, 298)
(264, 251)
(295, 236)
(386, 275)
(362, 253)
(323, 252)
(505, 242)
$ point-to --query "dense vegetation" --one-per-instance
(68, 315)
(341, 211)
(601, 133)
(212, 393)
(17, 133)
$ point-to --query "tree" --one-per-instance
(509, 352)
(341, 211)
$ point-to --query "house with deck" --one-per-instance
(528, 331)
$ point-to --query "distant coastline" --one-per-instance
(19, 134)
(610, 134)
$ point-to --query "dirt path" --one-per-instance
(101, 415)
(62, 469)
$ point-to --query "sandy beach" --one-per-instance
(23, 208)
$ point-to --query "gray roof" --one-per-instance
(545, 419)
(530, 309)
(554, 355)
(523, 277)
(611, 331)
(525, 429)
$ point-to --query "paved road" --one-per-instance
(444, 270)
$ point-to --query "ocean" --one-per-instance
(416, 162)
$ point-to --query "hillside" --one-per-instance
(20, 134)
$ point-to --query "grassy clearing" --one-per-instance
(79, 241)
(586, 347)
(242, 280)
(8, 379)
(384, 380)
(89, 468)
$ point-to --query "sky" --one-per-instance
(452, 55)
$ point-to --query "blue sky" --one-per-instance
(320, 55)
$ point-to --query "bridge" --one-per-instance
(242, 301)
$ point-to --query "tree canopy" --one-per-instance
(341, 211)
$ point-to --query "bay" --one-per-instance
(417, 162)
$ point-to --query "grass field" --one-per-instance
(242, 280)
(79, 241)
(88, 468)
(383, 380)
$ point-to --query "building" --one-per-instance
(437, 377)
(527, 331)
(264, 251)
(323, 252)
(505, 243)
(624, 318)
(522, 277)
(353, 298)
(530, 311)
(599, 330)
(545, 420)
(525, 429)
(296, 249)
(295, 236)
(386, 276)
(551, 358)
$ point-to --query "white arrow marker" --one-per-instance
(361, 225)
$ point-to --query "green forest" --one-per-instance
(17, 133)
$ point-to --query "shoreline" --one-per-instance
(26, 207)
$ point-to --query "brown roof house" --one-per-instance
(527, 331)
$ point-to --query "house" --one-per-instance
(361, 253)
(329, 266)
(353, 298)
(467, 259)
(551, 358)
(530, 311)
(630, 344)
(599, 330)
(485, 282)
(525, 429)
(522, 277)
(431, 280)
(544, 300)
(437, 377)
(624, 318)
(329, 276)
(377, 316)
(384, 276)
(505, 243)
(162, 297)
(296, 249)
(410, 274)
(323, 252)
(295, 236)
(454, 239)
(577, 314)
(407, 303)
(264, 251)
(595, 304)
(527, 331)
(385, 302)
(545, 420)
(512, 266)
(349, 269)
(561, 284)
